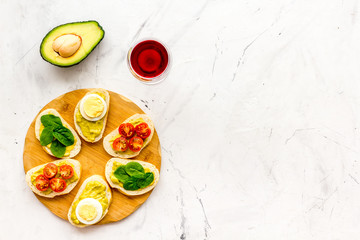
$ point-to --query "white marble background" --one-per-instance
(259, 119)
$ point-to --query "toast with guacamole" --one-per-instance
(90, 115)
(56, 136)
(132, 136)
(55, 178)
(131, 177)
(91, 202)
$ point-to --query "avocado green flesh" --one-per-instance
(90, 32)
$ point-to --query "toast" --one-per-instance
(77, 109)
(38, 124)
(108, 196)
(151, 167)
(128, 153)
(77, 169)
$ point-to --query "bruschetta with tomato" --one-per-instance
(132, 136)
(55, 178)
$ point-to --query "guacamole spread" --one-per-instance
(90, 129)
(93, 189)
(136, 122)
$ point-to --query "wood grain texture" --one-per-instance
(92, 155)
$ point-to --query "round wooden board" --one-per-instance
(92, 156)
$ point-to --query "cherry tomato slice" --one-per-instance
(135, 144)
(66, 171)
(50, 170)
(42, 183)
(120, 144)
(127, 130)
(57, 184)
(143, 130)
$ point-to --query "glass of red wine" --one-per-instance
(149, 61)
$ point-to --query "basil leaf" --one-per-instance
(46, 136)
(131, 184)
(146, 181)
(50, 120)
(64, 135)
(121, 174)
(57, 148)
(135, 169)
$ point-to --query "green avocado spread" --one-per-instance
(90, 129)
(93, 189)
(74, 178)
(136, 122)
(112, 176)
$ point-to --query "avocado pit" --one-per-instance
(66, 45)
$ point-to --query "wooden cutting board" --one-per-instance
(92, 155)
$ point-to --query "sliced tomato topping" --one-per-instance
(143, 130)
(41, 183)
(127, 130)
(50, 170)
(66, 171)
(135, 144)
(57, 184)
(120, 144)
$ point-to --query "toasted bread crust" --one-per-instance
(77, 169)
(107, 100)
(153, 169)
(108, 195)
(107, 138)
(77, 146)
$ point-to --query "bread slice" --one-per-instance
(108, 196)
(77, 169)
(107, 100)
(153, 169)
(128, 153)
(77, 146)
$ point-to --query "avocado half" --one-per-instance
(90, 32)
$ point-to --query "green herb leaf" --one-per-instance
(146, 181)
(131, 184)
(57, 148)
(50, 120)
(121, 174)
(135, 169)
(46, 136)
(64, 135)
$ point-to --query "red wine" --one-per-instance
(149, 59)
